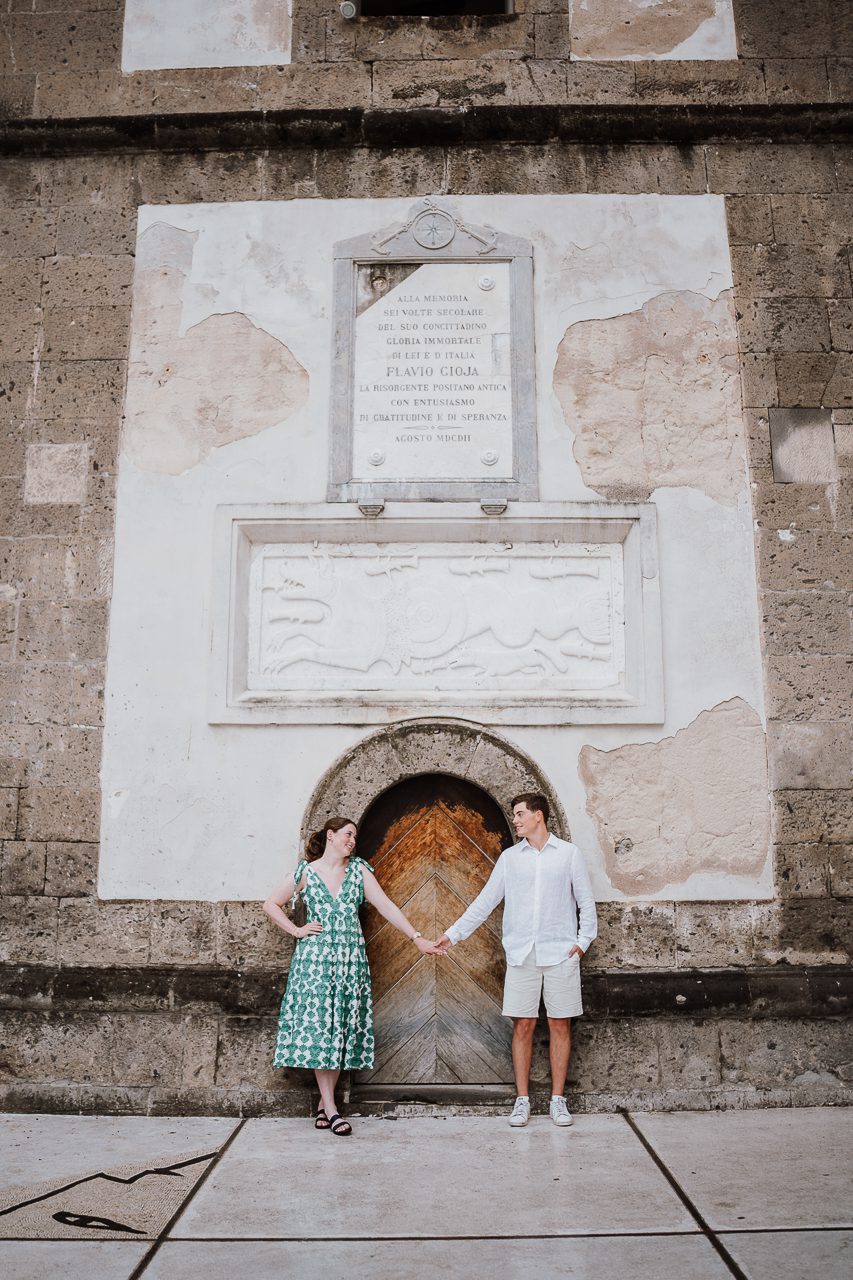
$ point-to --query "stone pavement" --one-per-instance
(693, 1196)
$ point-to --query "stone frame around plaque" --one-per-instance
(638, 698)
(434, 233)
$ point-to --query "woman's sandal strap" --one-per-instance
(321, 1120)
(340, 1128)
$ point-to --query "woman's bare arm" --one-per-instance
(378, 898)
(274, 907)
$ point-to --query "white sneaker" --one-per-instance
(560, 1113)
(520, 1113)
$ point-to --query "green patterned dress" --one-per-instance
(326, 1019)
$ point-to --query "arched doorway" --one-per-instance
(433, 840)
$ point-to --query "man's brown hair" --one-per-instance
(534, 802)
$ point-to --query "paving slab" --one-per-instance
(578, 1258)
(475, 1177)
(752, 1169)
(82, 1260)
(790, 1255)
(34, 1148)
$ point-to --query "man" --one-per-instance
(545, 884)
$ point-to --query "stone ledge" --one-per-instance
(777, 991)
(611, 124)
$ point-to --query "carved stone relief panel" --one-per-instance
(432, 378)
(517, 619)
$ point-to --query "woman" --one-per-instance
(326, 1019)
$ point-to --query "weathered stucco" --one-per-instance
(220, 381)
(694, 802)
(605, 29)
(205, 33)
(653, 398)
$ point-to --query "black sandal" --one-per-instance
(340, 1128)
(321, 1120)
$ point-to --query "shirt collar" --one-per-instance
(525, 843)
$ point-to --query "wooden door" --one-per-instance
(433, 842)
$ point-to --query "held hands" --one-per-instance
(427, 948)
(306, 930)
(443, 945)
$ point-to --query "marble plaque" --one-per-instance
(433, 390)
(510, 619)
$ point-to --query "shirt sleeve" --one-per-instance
(489, 897)
(582, 889)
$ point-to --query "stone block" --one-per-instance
(710, 935)
(422, 84)
(23, 867)
(802, 870)
(840, 860)
(784, 324)
(59, 814)
(814, 932)
(20, 183)
(807, 621)
(801, 817)
(246, 937)
(689, 1053)
(183, 933)
(673, 82)
(331, 86)
(750, 219)
(199, 1040)
(841, 325)
(633, 936)
(809, 755)
(20, 284)
(790, 270)
(50, 567)
(147, 1048)
(811, 687)
(90, 179)
(601, 82)
(538, 169)
(88, 281)
(98, 514)
(17, 96)
(614, 1057)
(758, 381)
(56, 473)
(86, 333)
(64, 1046)
(72, 632)
(244, 1057)
(796, 80)
(840, 75)
(745, 167)
(437, 748)
(71, 869)
(802, 446)
(792, 506)
(187, 179)
(64, 756)
(494, 36)
(8, 812)
(20, 520)
(8, 625)
(27, 233)
(784, 29)
(805, 560)
(812, 219)
(19, 334)
(645, 167)
(538, 83)
(79, 41)
(16, 387)
(551, 36)
(757, 427)
(378, 172)
(814, 379)
(844, 167)
(769, 1053)
(80, 388)
(103, 933)
(28, 930)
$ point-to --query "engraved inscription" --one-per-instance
(390, 617)
(433, 380)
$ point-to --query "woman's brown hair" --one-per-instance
(316, 844)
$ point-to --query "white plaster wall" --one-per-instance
(206, 812)
(652, 30)
(161, 34)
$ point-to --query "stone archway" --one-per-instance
(455, 747)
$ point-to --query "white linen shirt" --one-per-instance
(543, 891)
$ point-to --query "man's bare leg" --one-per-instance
(559, 1051)
(522, 1053)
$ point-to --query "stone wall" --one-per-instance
(368, 111)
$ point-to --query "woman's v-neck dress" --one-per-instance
(326, 1019)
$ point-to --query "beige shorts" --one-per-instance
(525, 984)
